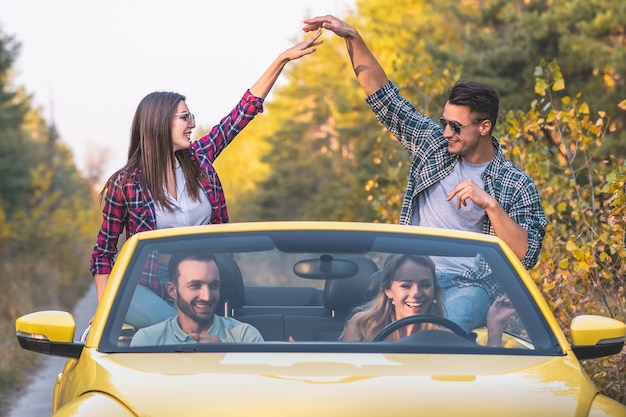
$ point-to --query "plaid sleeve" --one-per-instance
(528, 213)
(411, 128)
(480, 276)
(517, 194)
(421, 138)
(225, 131)
(114, 217)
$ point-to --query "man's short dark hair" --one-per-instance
(177, 258)
(482, 99)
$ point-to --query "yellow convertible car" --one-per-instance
(249, 319)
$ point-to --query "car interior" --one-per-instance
(291, 291)
(303, 313)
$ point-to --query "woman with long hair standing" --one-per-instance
(169, 180)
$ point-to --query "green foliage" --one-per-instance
(240, 168)
(319, 147)
(48, 221)
(582, 269)
(503, 40)
(557, 141)
(13, 109)
(44, 255)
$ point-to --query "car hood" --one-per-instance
(326, 384)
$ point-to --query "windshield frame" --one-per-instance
(348, 242)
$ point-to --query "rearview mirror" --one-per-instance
(325, 267)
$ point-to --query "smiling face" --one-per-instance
(197, 292)
(473, 143)
(412, 289)
(182, 125)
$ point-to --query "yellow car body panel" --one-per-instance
(278, 384)
(94, 404)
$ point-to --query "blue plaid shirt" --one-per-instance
(423, 139)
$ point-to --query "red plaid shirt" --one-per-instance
(126, 206)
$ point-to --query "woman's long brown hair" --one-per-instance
(151, 148)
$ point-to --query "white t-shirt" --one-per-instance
(187, 212)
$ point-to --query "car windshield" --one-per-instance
(298, 288)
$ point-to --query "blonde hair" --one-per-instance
(370, 318)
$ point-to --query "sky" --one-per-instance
(88, 64)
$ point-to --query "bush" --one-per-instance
(582, 269)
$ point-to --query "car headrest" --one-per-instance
(342, 295)
(231, 289)
(374, 285)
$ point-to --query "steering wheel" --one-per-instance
(418, 319)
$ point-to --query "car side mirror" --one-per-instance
(50, 332)
(596, 336)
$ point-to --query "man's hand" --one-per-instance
(504, 226)
(206, 338)
(499, 312)
(468, 189)
(339, 27)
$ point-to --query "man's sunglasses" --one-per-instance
(455, 126)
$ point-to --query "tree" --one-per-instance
(320, 149)
(582, 269)
(502, 41)
(48, 219)
(14, 104)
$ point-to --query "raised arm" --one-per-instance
(262, 87)
(369, 73)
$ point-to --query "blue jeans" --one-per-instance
(147, 308)
(466, 306)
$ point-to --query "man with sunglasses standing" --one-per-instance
(459, 178)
